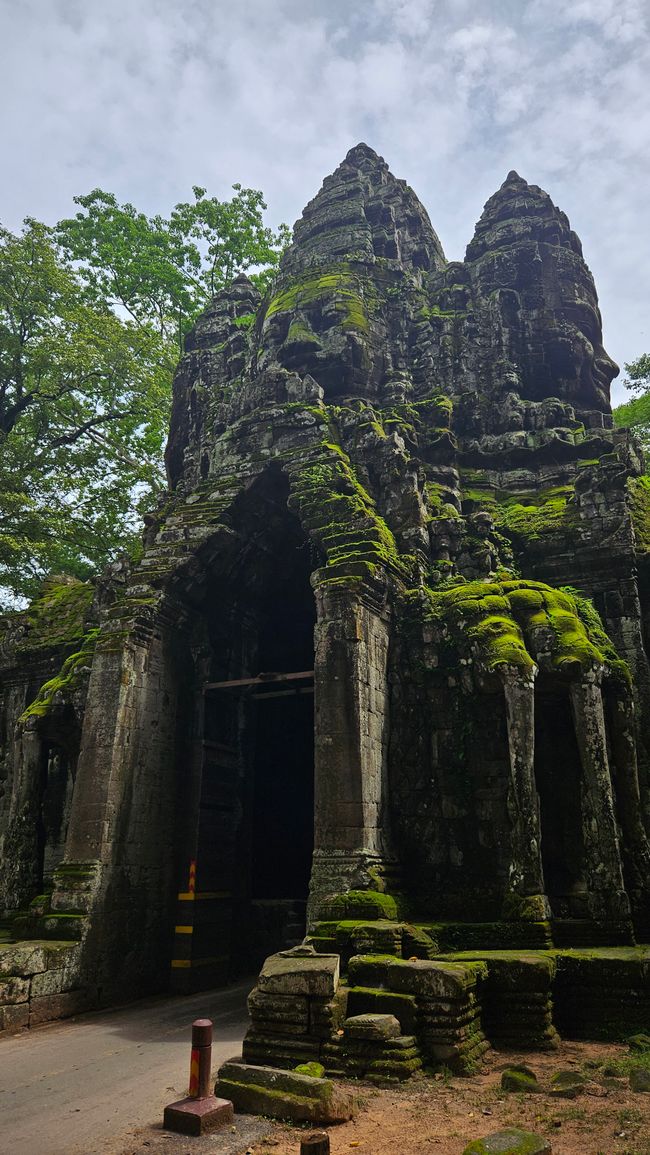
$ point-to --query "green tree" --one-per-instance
(635, 413)
(83, 402)
(162, 272)
(92, 313)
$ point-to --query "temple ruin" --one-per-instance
(375, 700)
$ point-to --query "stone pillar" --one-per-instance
(351, 732)
(19, 873)
(526, 882)
(608, 902)
(112, 717)
(635, 847)
(119, 856)
(623, 621)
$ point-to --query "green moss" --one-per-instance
(428, 312)
(314, 1070)
(592, 622)
(435, 498)
(361, 904)
(246, 321)
(536, 516)
(512, 623)
(520, 1079)
(301, 334)
(639, 502)
(520, 908)
(511, 1141)
(352, 295)
(58, 616)
(341, 516)
(411, 417)
(65, 681)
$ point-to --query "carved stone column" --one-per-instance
(635, 847)
(351, 731)
(119, 857)
(608, 901)
(526, 882)
(19, 865)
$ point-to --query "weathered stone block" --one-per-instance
(317, 975)
(567, 1084)
(420, 977)
(14, 990)
(47, 983)
(358, 904)
(379, 937)
(47, 1007)
(281, 1050)
(14, 1016)
(22, 958)
(372, 1027)
(520, 1079)
(640, 1079)
(63, 926)
(272, 1007)
(364, 1000)
(284, 1094)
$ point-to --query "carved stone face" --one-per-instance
(526, 263)
(576, 355)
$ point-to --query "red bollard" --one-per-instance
(201, 1060)
(200, 1112)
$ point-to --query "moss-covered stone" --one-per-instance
(525, 908)
(262, 1090)
(348, 292)
(359, 904)
(58, 616)
(639, 1042)
(66, 681)
(341, 516)
(512, 1141)
(366, 1000)
(567, 1084)
(516, 623)
(532, 519)
(639, 491)
(521, 1080)
(314, 1070)
(640, 1079)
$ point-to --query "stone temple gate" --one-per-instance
(381, 674)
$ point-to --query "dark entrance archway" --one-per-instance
(558, 774)
(253, 744)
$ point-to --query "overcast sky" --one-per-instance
(147, 97)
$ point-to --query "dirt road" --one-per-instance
(82, 1086)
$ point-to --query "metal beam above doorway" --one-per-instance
(260, 680)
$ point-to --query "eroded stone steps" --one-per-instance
(577, 932)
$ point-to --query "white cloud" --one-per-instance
(147, 99)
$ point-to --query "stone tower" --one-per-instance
(388, 630)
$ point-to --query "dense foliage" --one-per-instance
(635, 413)
(92, 317)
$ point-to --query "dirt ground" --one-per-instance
(442, 1114)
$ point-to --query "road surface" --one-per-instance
(83, 1086)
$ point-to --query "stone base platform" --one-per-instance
(198, 1116)
(445, 1011)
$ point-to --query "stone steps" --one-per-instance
(581, 932)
